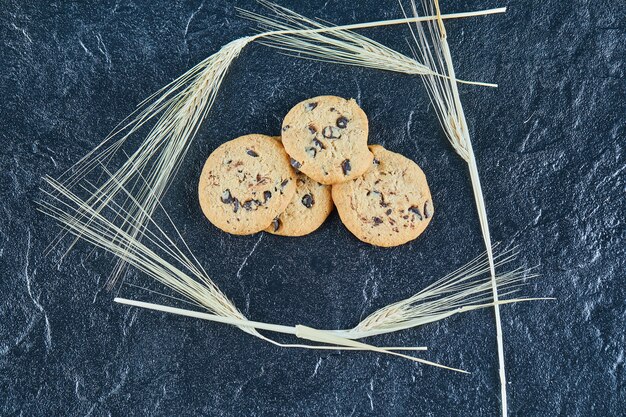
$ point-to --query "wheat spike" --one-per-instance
(177, 268)
(304, 37)
(181, 272)
(182, 105)
(444, 94)
(463, 290)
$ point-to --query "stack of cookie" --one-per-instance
(287, 185)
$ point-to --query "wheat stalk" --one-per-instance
(444, 95)
(303, 37)
(177, 268)
(182, 105)
(461, 291)
(182, 274)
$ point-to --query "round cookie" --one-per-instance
(309, 208)
(326, 138)
(390, 204)
(245, 184)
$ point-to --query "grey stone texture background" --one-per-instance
(550, 148)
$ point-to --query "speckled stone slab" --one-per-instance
(550, 148)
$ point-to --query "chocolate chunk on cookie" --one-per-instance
(326, 138)
(388, 205)
(309, 208)
(246, 183)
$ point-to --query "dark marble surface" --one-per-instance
(549, 144)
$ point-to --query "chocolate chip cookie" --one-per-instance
(326, 138)
(246, 183)
(308, 209)
(388, 205)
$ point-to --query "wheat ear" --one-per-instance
(177, 268)
(444, 95)
(463, 290)
(181, 273)
(296, 34)
(182, 105)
